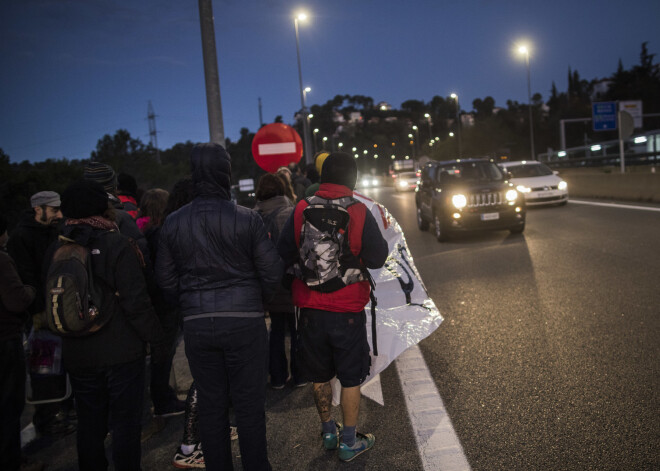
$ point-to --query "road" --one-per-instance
(548, 357)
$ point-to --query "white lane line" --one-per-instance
(439, 447)
(615, 205)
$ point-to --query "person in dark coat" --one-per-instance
(275, 208)
(107, 368)
(15, 298)
(27, 246)
(216, 258)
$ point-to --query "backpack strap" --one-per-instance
(374, 303)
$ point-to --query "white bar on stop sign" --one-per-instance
(279, 148)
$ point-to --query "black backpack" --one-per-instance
(73, 298)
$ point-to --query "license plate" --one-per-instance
(545, 194)
(490, 216)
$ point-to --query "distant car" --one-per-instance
(368, 181)
(467, 195)
(537, 182)
(406, 181)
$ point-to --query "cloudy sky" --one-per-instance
(74, 70)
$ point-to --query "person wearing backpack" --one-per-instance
(275, 208)
(106, 363)
(333, 239)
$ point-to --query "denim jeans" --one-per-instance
(12, 401)
(278, 367)
(109, 399)
(228, 356)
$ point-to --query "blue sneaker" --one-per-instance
(362, 443)
(331, 440)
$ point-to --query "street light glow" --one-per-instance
(301, 16)
(523, 49)
(454, 96)
(308, 89)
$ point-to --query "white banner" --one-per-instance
(405, 314)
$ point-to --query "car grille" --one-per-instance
(545, 188)
(480, 200)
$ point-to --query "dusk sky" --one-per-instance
(75, 70)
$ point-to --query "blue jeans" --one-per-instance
(228, 356)
(12, 401)
(109, 399)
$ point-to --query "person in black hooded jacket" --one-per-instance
(217, 260)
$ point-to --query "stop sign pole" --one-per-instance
(276, 145)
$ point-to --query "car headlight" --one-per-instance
(511, 195)
(523, 189)
(562, 185)
(374, 182)
(459, 201)
(365, 182)
(403, 184)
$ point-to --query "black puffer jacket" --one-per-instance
(213, 256)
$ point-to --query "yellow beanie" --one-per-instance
(320, 158)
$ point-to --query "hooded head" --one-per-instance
(126, 184)
(211, 170)
(339, 168)
(84, 198)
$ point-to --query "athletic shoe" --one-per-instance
(277, 386)
(331, 440)
(176, 407)
(362, 443)
(302, 384)
(193, 460)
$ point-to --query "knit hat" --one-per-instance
(45, 198)
(319, 158)
(102, 173)
(84, 198)
(340, 168)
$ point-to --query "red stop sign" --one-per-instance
(276, 145)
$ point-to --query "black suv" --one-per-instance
(465, 195)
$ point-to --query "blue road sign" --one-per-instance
(604, 116)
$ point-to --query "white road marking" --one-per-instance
(439, 447)
(278, 148)
(615, 205)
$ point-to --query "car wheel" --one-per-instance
(517, 229)
(440, 231)
(422, 223)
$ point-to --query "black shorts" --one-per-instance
(333, 344)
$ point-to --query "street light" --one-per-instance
(306, 137)
(316, 130)
(428, 118)
(458, 124)
(523, 49)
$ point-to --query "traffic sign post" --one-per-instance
(276, 145)
(604, 116)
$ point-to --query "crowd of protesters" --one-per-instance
(189, 261)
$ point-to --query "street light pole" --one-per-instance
(524, 50)
(458, 125)
(428, 118)
(306, 136)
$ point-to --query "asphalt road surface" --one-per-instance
(548, 357)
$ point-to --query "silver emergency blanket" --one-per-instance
(405, 314)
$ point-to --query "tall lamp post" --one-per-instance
(525, 51)
(416, 129)
(306, 137)
(458, 125)
(428, 118)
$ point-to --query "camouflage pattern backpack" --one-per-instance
(326, 261)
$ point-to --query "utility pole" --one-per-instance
(261, 118)
(211, 76)
(153, 138)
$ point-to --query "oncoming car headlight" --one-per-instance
(403, 183)
(523, 189)
(459, 201)
(366, 182)
(562, 185)
(511, 195)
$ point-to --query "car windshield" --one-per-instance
(473, 171)
(525, 171)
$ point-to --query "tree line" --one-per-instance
(382, 132)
